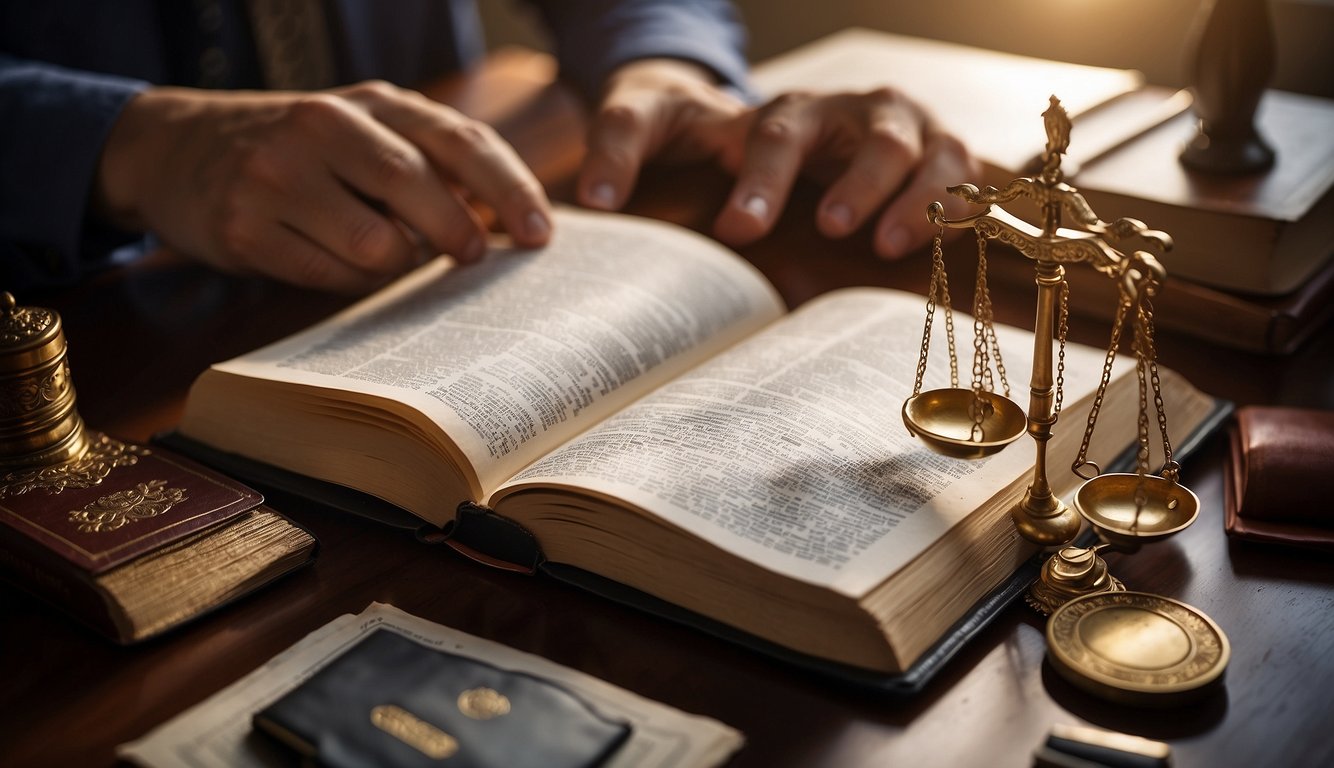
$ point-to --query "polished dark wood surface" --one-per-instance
(139, 335)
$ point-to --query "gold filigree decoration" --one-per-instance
(33, 393)
(413, 731)
(104, 454)
(116, 510)
(483, 703)
(19, 324)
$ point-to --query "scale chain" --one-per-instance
(1062, 329)
(931, 289)
(1169, 465)
(1141, 455)
(939, 286)
(988, 318)
(1081, 460)
(982, 379)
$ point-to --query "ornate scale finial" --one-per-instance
(1058, 126)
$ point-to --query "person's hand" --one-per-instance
(661, 109)
(334, 190)
(880, 155)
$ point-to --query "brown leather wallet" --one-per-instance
(1280, 480)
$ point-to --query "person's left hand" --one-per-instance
(879, 154)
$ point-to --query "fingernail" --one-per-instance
(602, 195)
(756, 206)
(536, 226)
(840, 215)
(897, 241)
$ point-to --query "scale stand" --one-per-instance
(1121, 645)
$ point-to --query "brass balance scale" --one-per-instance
(1130, 647)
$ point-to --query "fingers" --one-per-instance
(618, 142)
(383, 166)
(890, 156)
(300, 261)
(653, 108)
(784, 132)
(467, 152)
(355, 182)
(345, 194)
(887, 152)
(904, 226)
(342, 244)
(364, 237)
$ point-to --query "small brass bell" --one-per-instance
(39, 425)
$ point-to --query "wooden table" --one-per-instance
(138, 336)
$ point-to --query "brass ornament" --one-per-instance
(978, 421)
(102, 456)
(483, 703)
(21, 396)
(1069, 573)
(1126, 510)
(39, 425)
(413, 731)
(116, 510)
(22, 324)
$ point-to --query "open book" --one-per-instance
(636, 397)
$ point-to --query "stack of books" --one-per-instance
(1251, 265)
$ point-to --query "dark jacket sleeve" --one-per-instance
(54, 124)
(594, 37)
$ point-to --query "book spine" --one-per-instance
(43, 574)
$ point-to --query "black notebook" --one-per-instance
(389, 701)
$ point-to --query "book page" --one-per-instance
(790, 450)
(515, 355)
(216, 732)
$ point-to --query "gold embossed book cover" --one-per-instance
(134, 540)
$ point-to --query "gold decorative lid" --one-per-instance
(39, 425)
(28, 335)
(1136, 648)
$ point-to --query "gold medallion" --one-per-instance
(1136, 648)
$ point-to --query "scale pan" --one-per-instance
(943, 419)
(1108, 503)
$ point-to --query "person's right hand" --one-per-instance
(335, 190)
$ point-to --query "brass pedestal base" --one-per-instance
(1044, 519)
(1070, 573)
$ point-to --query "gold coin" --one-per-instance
(1137, 648)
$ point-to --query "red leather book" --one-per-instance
(134, 540)
(1278, 481)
